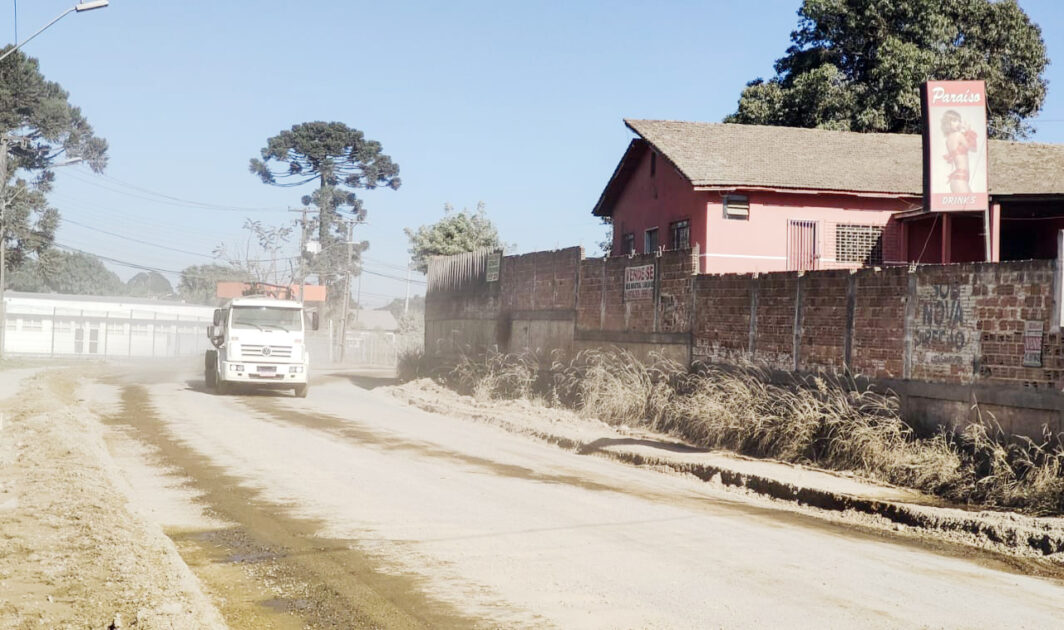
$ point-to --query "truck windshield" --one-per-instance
(267, 318)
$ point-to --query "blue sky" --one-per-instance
(518, 105)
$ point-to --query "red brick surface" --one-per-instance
(823, 320)
(967, 321)
(722, 317)
(879, 322)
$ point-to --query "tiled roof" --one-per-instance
(717, 154)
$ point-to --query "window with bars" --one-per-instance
(859, 244)
(680, 234)
(628, 243)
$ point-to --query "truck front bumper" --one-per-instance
(277, 374)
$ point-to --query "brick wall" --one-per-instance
(722, 316)
(878, 342)
(823, 321)
(774, 332)
(961, 326)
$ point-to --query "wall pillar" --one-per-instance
(947, 237)
(994, 232)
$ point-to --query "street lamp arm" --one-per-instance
(83, 6)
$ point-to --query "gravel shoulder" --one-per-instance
(74, 551)
(1036, 544)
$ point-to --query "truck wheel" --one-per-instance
(210, 363)
(301, 390)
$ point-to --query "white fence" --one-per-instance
(39, 326)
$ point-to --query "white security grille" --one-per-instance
(859, 244)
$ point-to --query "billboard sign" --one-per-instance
(955, 155)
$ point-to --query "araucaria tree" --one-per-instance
(455, 233)
(857, 65)
(38, 128)
(339, 160)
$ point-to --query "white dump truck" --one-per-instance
(259, 341)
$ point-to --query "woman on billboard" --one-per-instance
(960, 141)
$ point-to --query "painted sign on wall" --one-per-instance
(639, 282)
(944, 330)
(955, 155)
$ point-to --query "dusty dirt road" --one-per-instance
(138, 498)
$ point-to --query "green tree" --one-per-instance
(455, 233)
(71, 273)
(199, 283)
(857, 65)
(38, 128)
(340, 160)
(149, 284)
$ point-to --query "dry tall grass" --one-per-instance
(495, 375)
(819, 421)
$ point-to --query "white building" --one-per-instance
(82, 325)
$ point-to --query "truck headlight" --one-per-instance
(236, 367)
(295, 369)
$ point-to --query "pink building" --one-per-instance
(760, 198)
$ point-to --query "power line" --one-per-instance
(161, 198)
(135, 240)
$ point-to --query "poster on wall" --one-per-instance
(955, 155)
(1032, 344)
(494, 264)
(639, 282)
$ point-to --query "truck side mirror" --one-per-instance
(219, 316)
(314, 320)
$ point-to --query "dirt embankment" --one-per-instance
(73, 552)
(1035, 545)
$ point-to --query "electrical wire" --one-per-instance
(164, 199)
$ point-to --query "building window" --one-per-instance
(650, 241)
(680, 234)
(736, 207)
(628, 243)
(859, 244)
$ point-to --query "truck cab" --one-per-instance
(259, 341)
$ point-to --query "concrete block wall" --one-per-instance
(947, 338)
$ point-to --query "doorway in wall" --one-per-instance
(803, 252)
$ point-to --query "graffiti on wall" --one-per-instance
(944, 328)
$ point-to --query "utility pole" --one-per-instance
(302, 253)
(3, 241)
(347, 290)
(406, 303)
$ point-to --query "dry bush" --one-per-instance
(821, 421)
(612, 385)
(410, 364)
(1012, 473)
(495, 375)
